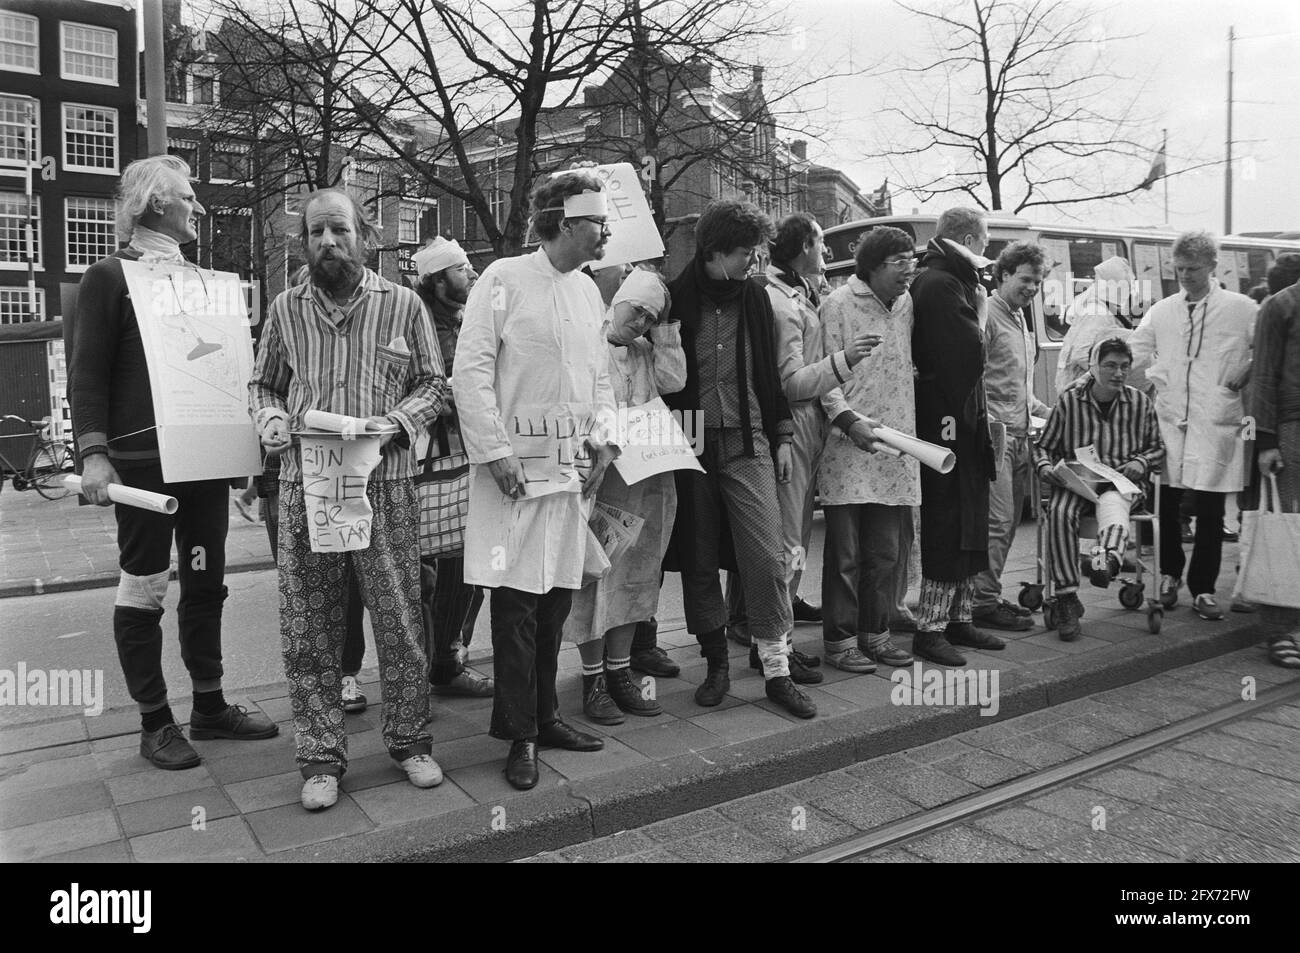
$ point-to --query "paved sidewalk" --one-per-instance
(75, 789)
(56, 545)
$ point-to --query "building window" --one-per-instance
(232, 241)
(89, 138)
(18, 139)
(89, 53)
(629, 122)
(471, 222)
(204, 89)
(19, 50)
(16, 306)
(497, 201)
(408, 222)
(365, 183)
(13, 230)
(229, 162)
(91, 234)
(187, 150)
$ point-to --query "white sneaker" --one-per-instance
(353, 700)
(422, 771)
(320, 791)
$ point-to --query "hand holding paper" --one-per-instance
(932, 455)
(348, 426)
(130, 496)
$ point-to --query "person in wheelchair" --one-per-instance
(1120, 422)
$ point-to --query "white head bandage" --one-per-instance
(439, 255)
(586, 203)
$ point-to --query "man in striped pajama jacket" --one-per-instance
(1120, 423)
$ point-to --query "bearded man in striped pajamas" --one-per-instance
(1120, 423)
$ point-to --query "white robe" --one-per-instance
(1191, 363)
(531, 338)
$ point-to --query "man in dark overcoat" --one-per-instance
(948, 349)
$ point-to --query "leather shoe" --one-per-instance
(785, 693)
(717, 682)
(236, 722)
(804, 612)
(521, 765)
(964, 633)
(933, 647)
(559, 735)
(655, 662)
(806, 660)
(167, 748)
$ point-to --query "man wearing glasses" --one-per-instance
(530, 364)
(1119, 422)
(1198, 345)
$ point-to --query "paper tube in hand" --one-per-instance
(340, 423)
(130, 496)
(932, 455)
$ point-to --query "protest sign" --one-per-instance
(652, 441)
(633, 234)
(194, 329)
(550, 443)
(335, 471)
(615, 529)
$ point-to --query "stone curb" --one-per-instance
(36, 587)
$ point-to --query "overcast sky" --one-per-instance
(1184, 54)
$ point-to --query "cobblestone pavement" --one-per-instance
(1226, 794)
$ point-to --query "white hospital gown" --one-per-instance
(531, 338)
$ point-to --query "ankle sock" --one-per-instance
(617, 664)
(153, 720)
(210, 703)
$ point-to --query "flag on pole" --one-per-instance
(880, 199)
(1157, 170)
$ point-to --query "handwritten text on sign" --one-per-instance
(551, 446)
(653, 442)
(334, 477)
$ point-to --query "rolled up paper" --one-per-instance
(341, 423)
(932, 455)
(130, 496)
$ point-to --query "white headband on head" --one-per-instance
(586, 203)
(438, 256)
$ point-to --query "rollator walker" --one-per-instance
(1132, 592)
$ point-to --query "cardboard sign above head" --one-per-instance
(633, 235)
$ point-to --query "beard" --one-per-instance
(337, 274)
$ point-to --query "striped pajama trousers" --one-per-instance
(1063, 514)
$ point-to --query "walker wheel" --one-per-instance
(1049, 614)
(1130, 595)
(1154, 618)
(1031, 596)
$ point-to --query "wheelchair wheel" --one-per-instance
(1031, 596)
(1154, 618)
(1130, 595)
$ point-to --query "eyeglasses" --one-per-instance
(1112, 368)
(901, 261)
(601, 223)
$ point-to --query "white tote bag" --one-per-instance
(1270, 552)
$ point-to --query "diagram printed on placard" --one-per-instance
(199, 347)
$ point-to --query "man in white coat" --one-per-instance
(531, 382)
(1198, 345)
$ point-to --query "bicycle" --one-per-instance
(46, 463)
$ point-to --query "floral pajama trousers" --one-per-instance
(313, 600)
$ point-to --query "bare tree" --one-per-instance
(1021, 100)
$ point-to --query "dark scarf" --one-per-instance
(792, 278)
(756, 327)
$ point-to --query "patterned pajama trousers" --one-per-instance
(944, 602)
(313, 597)
(1063, 515)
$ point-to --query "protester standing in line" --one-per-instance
(112, 412)
(530, 347)
(645, 361)
(1275, 405)
(1197, 348)
(949, 303)
(867, 500)
(1009, 355)
(729, 517)
(444, 278)
(349, 342)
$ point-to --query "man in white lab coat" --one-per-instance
(535, 402)
(1198, 345)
